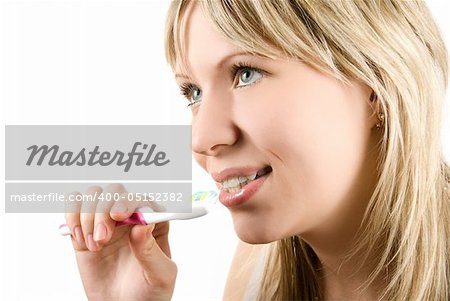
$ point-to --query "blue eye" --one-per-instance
(192, 93)
(248, 76)
(243, 73)
(196, 94)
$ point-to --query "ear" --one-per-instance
(374, 106)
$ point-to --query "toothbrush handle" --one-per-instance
(137, 218)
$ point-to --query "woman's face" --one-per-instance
(314, 132)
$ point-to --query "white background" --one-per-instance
(102, 62)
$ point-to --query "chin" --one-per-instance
(254, 239)
(255, 233)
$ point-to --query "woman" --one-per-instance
(353, 201)
(337, 106)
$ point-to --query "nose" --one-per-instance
(213, 128)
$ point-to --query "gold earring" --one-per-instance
(381, 118)
(373, 97)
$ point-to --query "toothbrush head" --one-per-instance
(205, 196)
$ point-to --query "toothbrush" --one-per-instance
(142, 217)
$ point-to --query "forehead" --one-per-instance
(202, 46)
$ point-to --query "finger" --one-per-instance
(72, 216)
(121, 210)
(160, 271)
(130, 202)
(103, 223)
(87, 215)
(155, 205)
(161, 234)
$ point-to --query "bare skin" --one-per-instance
(317, 134)
(120, 263)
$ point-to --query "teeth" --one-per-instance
(238, 182)
(234, 189)
(252, 177)
(235, 182)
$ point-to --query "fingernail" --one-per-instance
(119, 208)
(99, 232)
(78, 234)
(92, 246)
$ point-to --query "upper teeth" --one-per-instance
(236, 181)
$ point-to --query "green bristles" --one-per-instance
(199, 196)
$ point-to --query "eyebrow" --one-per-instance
(219, 64)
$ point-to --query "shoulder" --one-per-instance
(241, 269)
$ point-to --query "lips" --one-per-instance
(244, 194)
(234, 184)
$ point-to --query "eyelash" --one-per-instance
(237, 68)
(186, 91)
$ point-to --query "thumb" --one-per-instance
(158, 267)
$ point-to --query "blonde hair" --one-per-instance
(395, 48)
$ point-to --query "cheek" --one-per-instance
(201, 160)
(332, 146)
(317, 136)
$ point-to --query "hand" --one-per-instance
(130, 262)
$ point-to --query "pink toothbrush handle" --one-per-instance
(137, 218)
